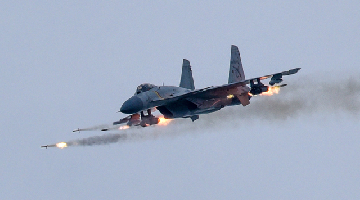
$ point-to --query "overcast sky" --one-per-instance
(71, 64)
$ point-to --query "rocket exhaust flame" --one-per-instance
(61, 145)
(90, 141)
(124, 127)
(109, 127)
(271, 91)
(163, 121)
(128, 135)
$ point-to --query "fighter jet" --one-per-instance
(187, 102)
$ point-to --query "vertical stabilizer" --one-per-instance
(236, 72)
(187, 80)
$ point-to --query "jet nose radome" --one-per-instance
(132, 105)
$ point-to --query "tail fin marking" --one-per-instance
(187, 80)
(236, 72)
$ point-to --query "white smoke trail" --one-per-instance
(307, 97)
(134, 134)
(98, 140)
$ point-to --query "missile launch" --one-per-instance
(60, 145)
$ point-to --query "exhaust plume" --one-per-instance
(127, 135)
(304, 98)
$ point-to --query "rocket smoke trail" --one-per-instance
(135, 134)
(97, 140)
(304, 98)
(299, 98)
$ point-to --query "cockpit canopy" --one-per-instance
(144, 88)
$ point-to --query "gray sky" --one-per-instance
(70, 64)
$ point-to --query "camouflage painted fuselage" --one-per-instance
(177, 102)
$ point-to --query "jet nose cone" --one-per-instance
(132, 105)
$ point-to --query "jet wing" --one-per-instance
(213, 92)
(289, 72)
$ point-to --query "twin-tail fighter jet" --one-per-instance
(187, 102)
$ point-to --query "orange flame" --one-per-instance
(163, 121)
(124, 127)
(271, 91)
(61, 145)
